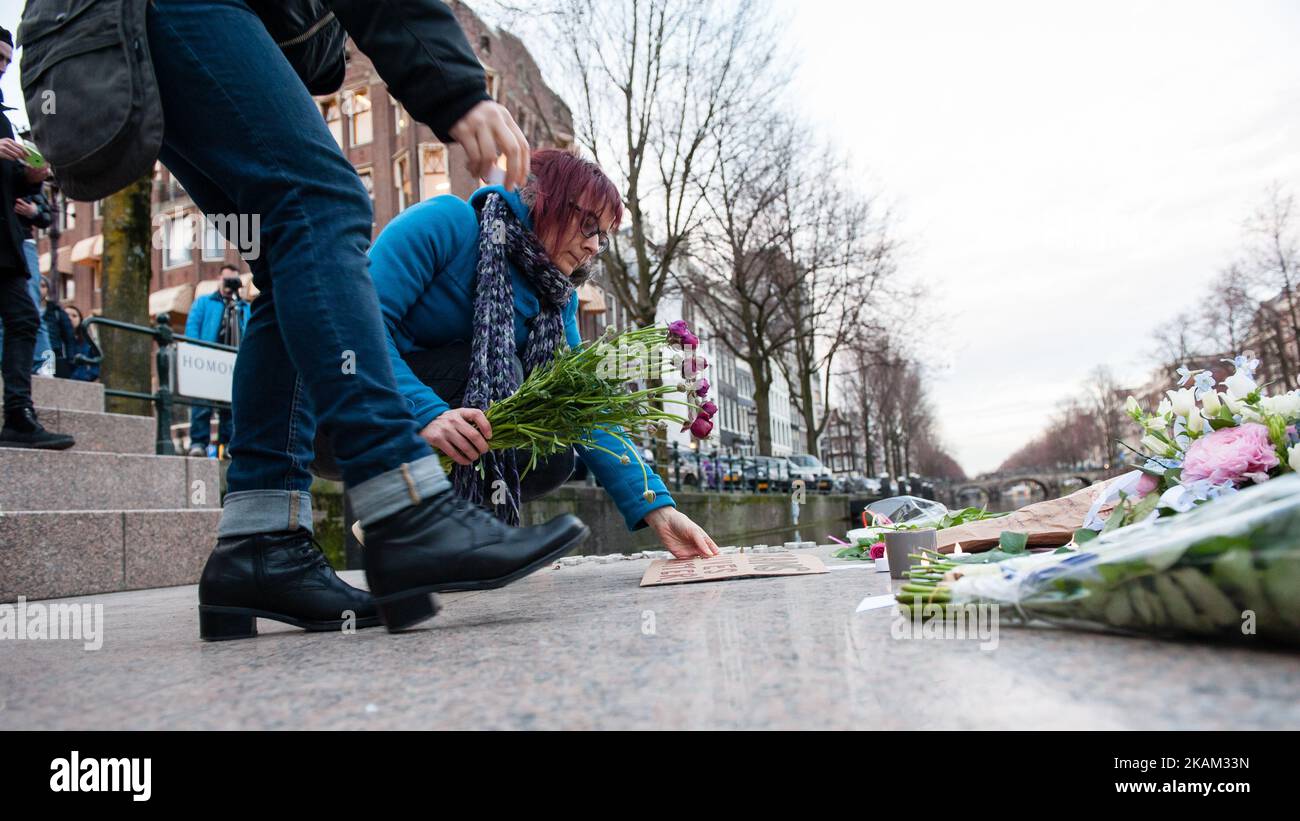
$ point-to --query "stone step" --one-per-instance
(49, 554)
(67, 394)
(102, 432)
(39, 480)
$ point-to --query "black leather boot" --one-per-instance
(446, 543)
(281, 576)
(22, 430)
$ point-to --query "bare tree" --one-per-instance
(842, 251)
(652, 82)
(740, 276)
(1229, 310)
(1176, 341)
(1273, 249)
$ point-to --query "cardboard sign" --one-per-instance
(732, 566)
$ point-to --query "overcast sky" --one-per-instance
(1067, 175)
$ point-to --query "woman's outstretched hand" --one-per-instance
(679, 535)
(460, 433)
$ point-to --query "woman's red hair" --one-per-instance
(562, 177)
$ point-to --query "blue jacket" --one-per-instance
(424, 265)
(205, 317)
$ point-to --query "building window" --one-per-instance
(68, 215)
(493, 82)
(402, 182)
(69, 287)
(368, 180)
(399, 116)
(360, 120)
(177, 240)
(333, 119)
(214, 245)
(433, 171)
(98, 210)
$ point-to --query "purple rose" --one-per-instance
(701, 427)
(693, 364)
(1231, 455)
(678, 330)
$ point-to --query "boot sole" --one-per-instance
(9, 443)
(218, 623)
(409, 607)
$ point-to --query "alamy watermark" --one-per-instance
(961, 622)
(59, 621)
(190, 230)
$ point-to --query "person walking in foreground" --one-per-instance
(314, 345)
(17, 311)
(220, 316)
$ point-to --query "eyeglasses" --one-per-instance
(590, 227)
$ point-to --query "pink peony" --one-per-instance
(701, 427)
(1231, 455)
(878, 550)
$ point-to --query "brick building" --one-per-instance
(399, 161)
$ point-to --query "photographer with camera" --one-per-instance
(220, 316)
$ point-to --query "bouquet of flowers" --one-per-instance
(585, 390)
(1228, 569)
(1201, 443)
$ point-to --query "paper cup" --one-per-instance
(899, 545)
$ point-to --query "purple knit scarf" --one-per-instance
(503, 238)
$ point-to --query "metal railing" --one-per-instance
(163, 399)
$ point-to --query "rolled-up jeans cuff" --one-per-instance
(247, 512)
(389, 492)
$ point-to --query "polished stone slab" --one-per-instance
(33, 480)
(582, 646)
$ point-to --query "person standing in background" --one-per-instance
(220, 316)
(21, 319)
(85, 353)
(33, 213)
(59, 329)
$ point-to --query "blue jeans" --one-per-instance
(201, 426)
(244, 137)
(39, 355)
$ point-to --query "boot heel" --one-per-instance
(402, 613)
(217, 626)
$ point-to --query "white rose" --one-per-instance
(1293, 458)
(1210, 401)
(1195, 422)
(1156, 446)
(1183, 402)
(1131, 407)
(1165, 408)
(1240, 385)
(1286, 405)
(1155, 423)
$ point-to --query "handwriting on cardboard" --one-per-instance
(733, 566)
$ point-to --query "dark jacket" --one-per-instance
(44, 216)
(13, 184)
(63, 340)
(417, 46)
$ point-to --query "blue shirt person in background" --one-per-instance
(220, 316)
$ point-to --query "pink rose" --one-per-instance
(1231, 455)
(1146, 484)
(709, 409)
(878, 550)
